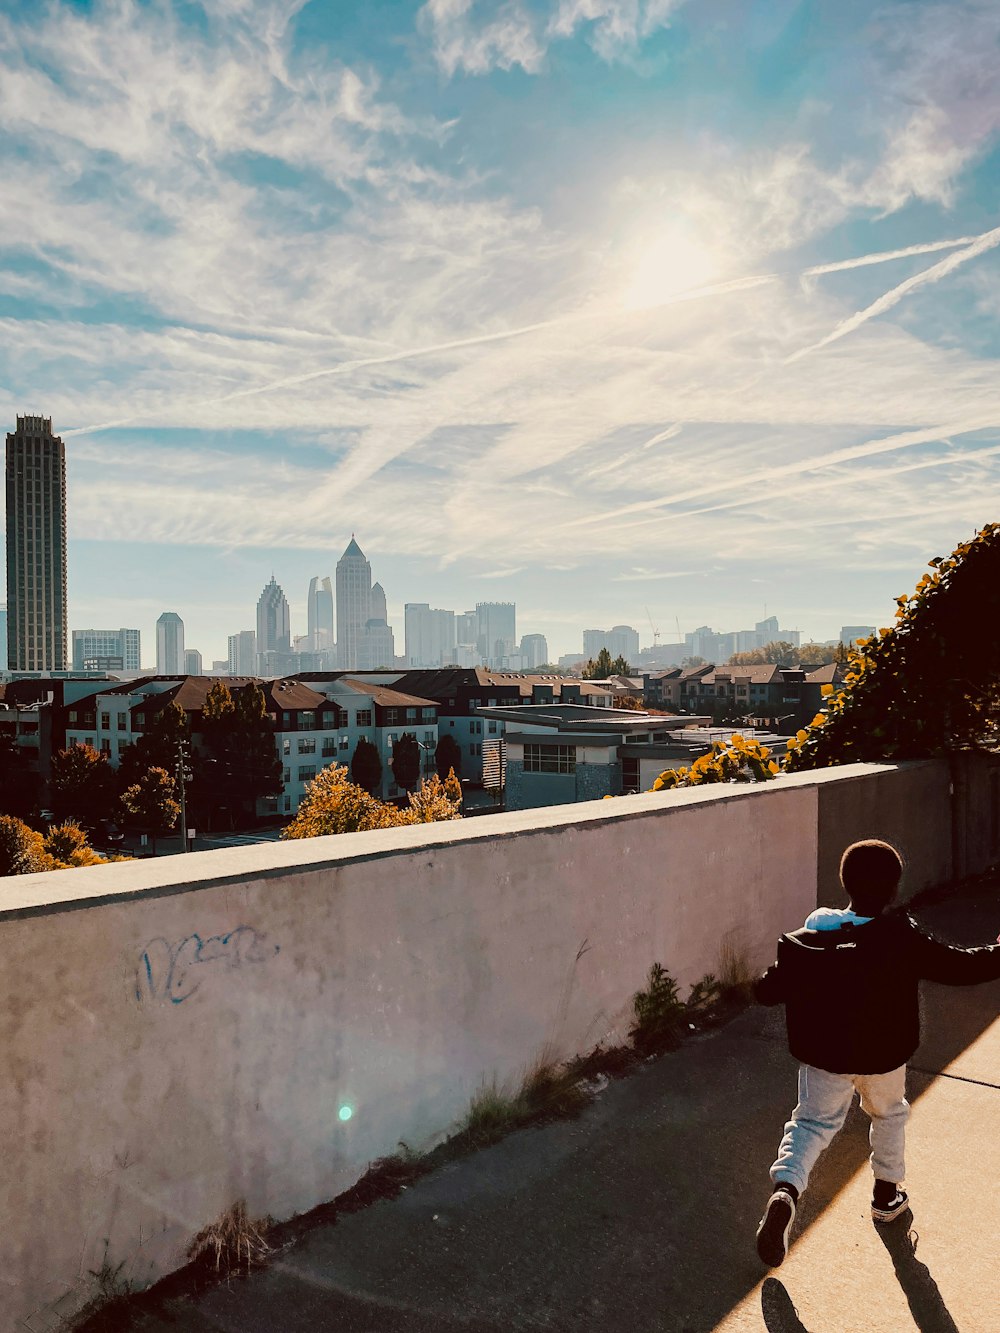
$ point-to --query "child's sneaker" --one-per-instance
(772, 1234)
(888, 1201)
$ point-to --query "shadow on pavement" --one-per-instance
(930, 1314)
(780, 1315)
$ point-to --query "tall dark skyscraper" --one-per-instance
(36, 547)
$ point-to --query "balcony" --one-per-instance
(212, 1015)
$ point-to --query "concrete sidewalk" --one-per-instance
(641, 1214)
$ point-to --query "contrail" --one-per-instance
(413, 353)
(883, 256)
(933, 274)
(886, 444)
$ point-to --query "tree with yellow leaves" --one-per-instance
(738, 760)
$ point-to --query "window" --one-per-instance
(549, 758)
(307, 746)
(122, 746)
(286, 746)
(391, 716)
(106, 747)
(474, 703)
(428, 737)
(427, 714)
(411, 715)
(307, 720)
(105, 721)
(630, 775)
(122, 721)
(288, 804)
(72, 717)
(476, 727)
(329, 746)
(492, 729)
(140, 721)
(363, 718)
(286, 775)
(307, 772)
(345, 742)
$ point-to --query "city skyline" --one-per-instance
(724, 335)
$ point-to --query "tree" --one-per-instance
(434, 801)
(620, 667)
(240, 764)
(925, 686)
(627, 702)
(22, 850)
(692, 662)
(448, 756)
(18, 785)
(453, 787)
(738, 760)
(334, 804)
(150, 804)
(67, 843)
(406, 761)
(817, 654)
(599, 668)
(777, 653)
(366, 766)
(259, 765)
(158, 746)
(82, 784)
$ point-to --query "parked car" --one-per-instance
(108, 834)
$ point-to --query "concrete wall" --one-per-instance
(181, 1033)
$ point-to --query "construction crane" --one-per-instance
(656, 632)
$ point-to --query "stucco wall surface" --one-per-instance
(181, 1033)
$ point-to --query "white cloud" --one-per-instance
(475, 38)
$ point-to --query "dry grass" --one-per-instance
(233, 1244)
(735, 972)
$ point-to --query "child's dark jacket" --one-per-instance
(851, 995)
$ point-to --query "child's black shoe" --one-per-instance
(888, 1201)
(772, 1234)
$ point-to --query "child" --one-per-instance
(849, 983)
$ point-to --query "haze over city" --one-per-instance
(589, 306)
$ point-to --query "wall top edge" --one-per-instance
(94, 886)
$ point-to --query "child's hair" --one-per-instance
(870, 872)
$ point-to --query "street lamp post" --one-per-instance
(183, 778)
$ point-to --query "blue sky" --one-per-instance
(591, 304)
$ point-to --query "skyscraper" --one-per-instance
(170, 645)
(429, 635)
(273, 630)
(497, 632)
(354, 591)
(378, 608)
(36, 547)
(243, 653)
(534, 650)
(319, 614)
(89, 644)
(192, 662)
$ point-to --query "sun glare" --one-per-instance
(671, 264)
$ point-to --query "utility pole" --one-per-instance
(183, 778)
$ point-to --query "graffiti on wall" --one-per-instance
(173, 972)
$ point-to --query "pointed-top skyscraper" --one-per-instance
(354, 592)
(273, 628)
(378, 611)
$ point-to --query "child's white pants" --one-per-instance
(824, 1100)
